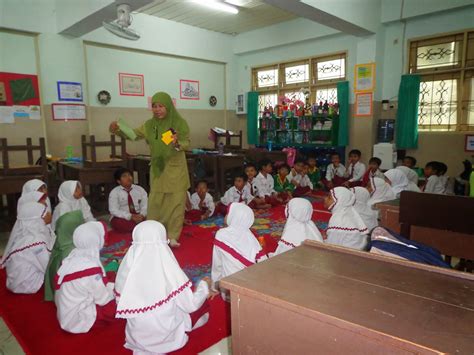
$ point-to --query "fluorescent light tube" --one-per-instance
(217, 5)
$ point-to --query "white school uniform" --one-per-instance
(208, 202)
(80, 280)
(234, 195)
(118, 202)
(34, 185)
(346, 228)
(263, 186)
(410, 174)
(332, 171)
(368, 215)
(298, 226)
(235, 247)
(301, 180)
(381, 191)
(154, 295)
(252, 188)
(27, 253)
(355, 172)
(68, 203)
(398, 181)
(434, 185)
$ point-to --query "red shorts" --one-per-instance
(336, 181)
(122, 225)
(301, 191)
(193, 215)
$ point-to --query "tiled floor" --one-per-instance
(8, 343)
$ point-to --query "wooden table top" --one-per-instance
(426, 305)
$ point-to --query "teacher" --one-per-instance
(169, 179)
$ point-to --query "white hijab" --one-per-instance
(381, 191)
(27, 197)
(68, 203)
(29, 230)
(299, 225)
(368, 215)
(344, 217)
(410, 174)
(237, 234)
(149, 275)
(398, 181)
(32, 186)
(88, 239)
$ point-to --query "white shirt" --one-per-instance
(435, 185)
(356, 171)
(332, 171)
(234, 195)
(302, 180)
(208, 202)
(263, 186)
(118, 202)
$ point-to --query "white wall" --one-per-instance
(28, 15)
(17, 54)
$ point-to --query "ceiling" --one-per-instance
(252, 14)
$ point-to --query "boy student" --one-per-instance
(314, 173)
(240, 192)
(202, 204)
(356, 170)
(413, 173)
(251, 172)
(372, 171)
(299, 178)
(263, 183)
(433, 183)
(335, 172)
(282, 184)
(127, 202)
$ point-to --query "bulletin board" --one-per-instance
(19, 89)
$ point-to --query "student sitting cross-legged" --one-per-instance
(127, 202)
(201, 204)
(240, 192)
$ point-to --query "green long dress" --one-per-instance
(169, 179)
(63, 245)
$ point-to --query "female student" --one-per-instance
(27, 253)
(345, 228)
(82, 296)
(368, 215)
(399, 182)
(37, 185)
(380, 191)
(169, 178)
(235, 247)
(299, 225)
(154, 295)
(71, 199)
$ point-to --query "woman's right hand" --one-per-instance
(114, 127)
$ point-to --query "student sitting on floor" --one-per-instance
(399, 182)
(240, 192)
(251, 172)
(345, 228)
(264, 184)
(27, 252)
(282, 184)
(83, 296)
(71, 199)
(127, 202)
(314, 173)
(235, 246)
(356, 170)
(368, 215)
(448, 187)
(412, 177)
(202, 204)
(372, 171)
(334, 172)
(380, 191)
(433, 183)
(298, 226)
(37, 185)
(413, 173)
(155, 296)
(300, 180)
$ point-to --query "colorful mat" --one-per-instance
(33, 321)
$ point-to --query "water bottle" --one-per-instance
(269, 145)
(220, 148)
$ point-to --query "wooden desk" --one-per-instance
(320, 299)
(389, 215)
(255, 155)
(228, 166)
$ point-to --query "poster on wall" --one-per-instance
(69, 91)
(18, 89)
(363, 104)
(66, 112)
(469, 145)
(364, 77)
(131, 84)
(189, 89)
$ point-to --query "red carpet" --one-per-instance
(33, 321)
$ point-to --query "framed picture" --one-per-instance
(69, 91)
(241, 104)
(363, 104)
(364, 77)
(469, 145)
(189, 89)
(66, 112)
(131, 84)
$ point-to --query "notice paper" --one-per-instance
(6, 114)
(34, 112)
(126, 129)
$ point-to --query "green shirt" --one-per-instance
(282, 186)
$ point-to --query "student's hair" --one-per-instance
(241, 176)
(202, 181)
(286, 166)
(120, 171)
(334, 154)
(355, 152)
(250, 165)
(310, 157)
(442, 168)
(263, 162)
(434, 165)
(299, 161)
(375, 160)
(412, 159)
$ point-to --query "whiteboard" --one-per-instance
(65, 112)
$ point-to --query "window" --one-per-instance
(446, 99)
(266, 78)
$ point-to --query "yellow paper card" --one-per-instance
(167, 137)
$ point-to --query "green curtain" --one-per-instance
(343, 100)
(407, 114)
(252, 117)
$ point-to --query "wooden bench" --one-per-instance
(115, 159)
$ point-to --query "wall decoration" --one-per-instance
(131, 84)
(69, 91)
(65, 112)
(3, 94)
(241, 104)
(6, 114)
(364, 77)
(18, 89)
(103, 97)
(363, 104)
(189, 89)
(213, 101)
(469, 146)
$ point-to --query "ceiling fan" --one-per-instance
(120, 26)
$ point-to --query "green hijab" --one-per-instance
(63, 245)
(155, 127)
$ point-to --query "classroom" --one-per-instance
(236, 176)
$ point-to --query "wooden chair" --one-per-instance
(228, 136)
(115, 160)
